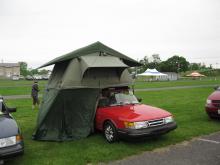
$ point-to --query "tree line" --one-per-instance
(173, 64)
(24, 70)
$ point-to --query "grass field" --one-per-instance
(8, 87)
(21, 87)
(159, 84)
(187, 105)
(6, 83)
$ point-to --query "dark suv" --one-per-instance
(11, 141)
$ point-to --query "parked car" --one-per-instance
(212, 106)
(15, 77)
(37, 77)
(119, 114)
(29, 77)
(45, 77)
(21, 77)
(11, 141)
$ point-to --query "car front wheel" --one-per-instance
(110, 132)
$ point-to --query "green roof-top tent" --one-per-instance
(69, 103)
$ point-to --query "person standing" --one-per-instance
(34, 94)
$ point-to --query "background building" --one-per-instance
(7, 70)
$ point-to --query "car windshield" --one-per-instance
(122, 98)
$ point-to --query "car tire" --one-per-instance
(110, 132)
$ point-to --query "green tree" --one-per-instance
(33, 71)
(164, 67)
(174, 64)
(194, 66)
(43, 71)
(151, 63)
(23, 68)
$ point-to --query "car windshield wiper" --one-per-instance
(127, 103)
(118, 103)
(132, 103)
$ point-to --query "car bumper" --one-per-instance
(12, 151)
(158, 130)
(212, 111)
(213, 114)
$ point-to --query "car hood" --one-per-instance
(139, 112)
(215, 95)
(8, 126)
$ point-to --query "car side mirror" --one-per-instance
(10, 110)
(103, 102)
(216, 87)
(139, 99)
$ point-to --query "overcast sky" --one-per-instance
(36, 31)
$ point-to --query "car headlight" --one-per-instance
(208, 101)
(9, 141)
(168, 120)
(136, 125)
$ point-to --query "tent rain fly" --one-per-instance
(69, 103)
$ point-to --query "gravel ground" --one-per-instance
(204, 150)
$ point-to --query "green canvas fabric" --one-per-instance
(59, 70)
(104, 77)
(69, 102)
(97, 61)
(48, 100)
(73, 75)
(93, 48)
(95, 72)
(71, 116)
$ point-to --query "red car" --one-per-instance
(213, 104)
(119, 114)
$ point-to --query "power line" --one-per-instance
(201, 58)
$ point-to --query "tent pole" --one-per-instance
(132, 88)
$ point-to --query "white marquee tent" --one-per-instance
(152, 72)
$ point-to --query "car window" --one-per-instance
(126, 98)
(117, 97)
(122, 98)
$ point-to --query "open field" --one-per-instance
(187, 105)
(189, 82)
(6, 83)
(23, 87)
